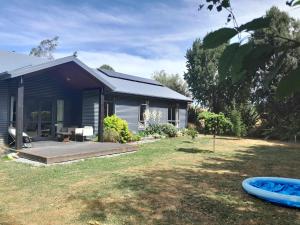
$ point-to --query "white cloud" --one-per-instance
(130, 64)
(136, 37)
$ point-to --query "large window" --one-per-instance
(173, 115)
(108, 108)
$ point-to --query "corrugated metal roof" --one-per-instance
(15, 65)
(11, 61)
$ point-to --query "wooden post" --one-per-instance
(19, 115)
(101, 115)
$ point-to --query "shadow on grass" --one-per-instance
(208, 193)
(194, 150)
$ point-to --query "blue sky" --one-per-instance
(134, 36)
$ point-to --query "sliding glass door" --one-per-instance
(39, 118)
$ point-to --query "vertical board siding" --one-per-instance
(127, 108)
(183, 115)
(162, 107)
(90, 109)
(4, 111)
(43, 86)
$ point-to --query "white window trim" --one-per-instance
(142, 123)
(176, 121)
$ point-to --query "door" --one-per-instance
(39, 119)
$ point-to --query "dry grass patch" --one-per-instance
(173, 181)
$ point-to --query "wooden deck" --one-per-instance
(54, 152)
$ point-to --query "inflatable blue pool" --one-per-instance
(283, 191)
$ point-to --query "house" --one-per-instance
(37, 95)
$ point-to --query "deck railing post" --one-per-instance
(101, 116)
(19, 114)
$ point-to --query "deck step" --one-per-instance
(49, 155)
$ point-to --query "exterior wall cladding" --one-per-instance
(3, 111)
(127, 108)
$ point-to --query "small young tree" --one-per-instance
(215, 124)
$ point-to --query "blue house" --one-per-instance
(37, 94)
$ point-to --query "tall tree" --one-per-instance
(172, 81)
(106, 67)
(269, 59)
(245, 57)
(204, 81)
(46, 48)
(281, 117)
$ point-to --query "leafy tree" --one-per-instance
(172, 81)
(269, 59)
(238, 127)
(106, 67)
(215, 123)
(46, 48)
(279, 116)
(204, 81)
(241, 59)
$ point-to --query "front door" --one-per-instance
(39, 119)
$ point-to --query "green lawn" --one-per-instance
(173, 181)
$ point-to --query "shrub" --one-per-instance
(134, 137)
(153, 129)
(119, 125)
(169, 129)
(161, 129)
(111, 135)
(217, 123)
(192, 133)
(142, 134)
(238, 127)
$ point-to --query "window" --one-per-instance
(60, 111)
(108, 108)
(13, 109)
(173, 115)
(143, 108)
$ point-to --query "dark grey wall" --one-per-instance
(90, 109)
(127, 107)
(4, 108)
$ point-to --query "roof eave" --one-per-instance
(151, 96)
(31, 69)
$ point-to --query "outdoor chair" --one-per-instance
(12, 138)
(86, 131)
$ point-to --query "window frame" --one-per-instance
(12, 111)
(142, 123)
(106, 107)
(174, 121)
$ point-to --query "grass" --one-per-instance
(172, 181)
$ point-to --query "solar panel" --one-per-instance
(129, 77)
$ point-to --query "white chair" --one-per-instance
(26, 139)
(86, 131)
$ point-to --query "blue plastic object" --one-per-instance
(283, 191)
